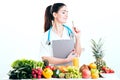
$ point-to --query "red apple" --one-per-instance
(86, 73)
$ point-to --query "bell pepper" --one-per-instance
(47, 73)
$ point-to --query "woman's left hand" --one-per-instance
(76, 32)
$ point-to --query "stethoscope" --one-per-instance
(70, 33)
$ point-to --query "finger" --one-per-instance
(43, 57)
(71, 54)
(75, 29)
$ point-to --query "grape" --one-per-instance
(73, 72)
(61, 75)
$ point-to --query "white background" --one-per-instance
(21, 27)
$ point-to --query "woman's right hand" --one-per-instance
(71, 56)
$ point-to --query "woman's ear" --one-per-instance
(54, 15)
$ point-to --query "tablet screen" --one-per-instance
(62, 48)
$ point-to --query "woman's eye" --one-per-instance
(63, 12)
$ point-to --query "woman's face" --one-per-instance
(62, 15)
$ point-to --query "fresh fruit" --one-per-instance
(73, 72)
(84, 66)
(98, 53)
(94, 71)
(84, 69)
(86, 73)
(92, 66)
(61, 75)
(68, 75)
(62, 68)
(94, 76)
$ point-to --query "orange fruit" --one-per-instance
(94, 76)
(92, 66)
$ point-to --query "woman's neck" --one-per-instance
(58, 29)
(57, 26)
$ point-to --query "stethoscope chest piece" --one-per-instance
(48, 42)
(71, 35)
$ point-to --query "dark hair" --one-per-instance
(48, 14)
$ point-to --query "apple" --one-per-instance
(86, 73)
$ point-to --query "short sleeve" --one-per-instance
(45, 50)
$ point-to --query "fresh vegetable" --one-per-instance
(22, 69)
(45, 63)
(37, 73)
(23, 62)
(106, 69)
(20, 73)
(56, 73)
(47, 73)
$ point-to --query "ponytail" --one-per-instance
(48, 18)
(48, 14)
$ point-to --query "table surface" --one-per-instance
(112, 77)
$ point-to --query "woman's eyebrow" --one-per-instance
(65, 10)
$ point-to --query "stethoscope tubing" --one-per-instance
(70, 33)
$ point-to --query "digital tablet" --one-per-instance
(62, 48)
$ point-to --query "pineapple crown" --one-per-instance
(97, 48)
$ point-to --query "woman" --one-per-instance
(55, 17)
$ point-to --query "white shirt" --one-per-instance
(45, 49)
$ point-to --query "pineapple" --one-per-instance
(98, 53)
